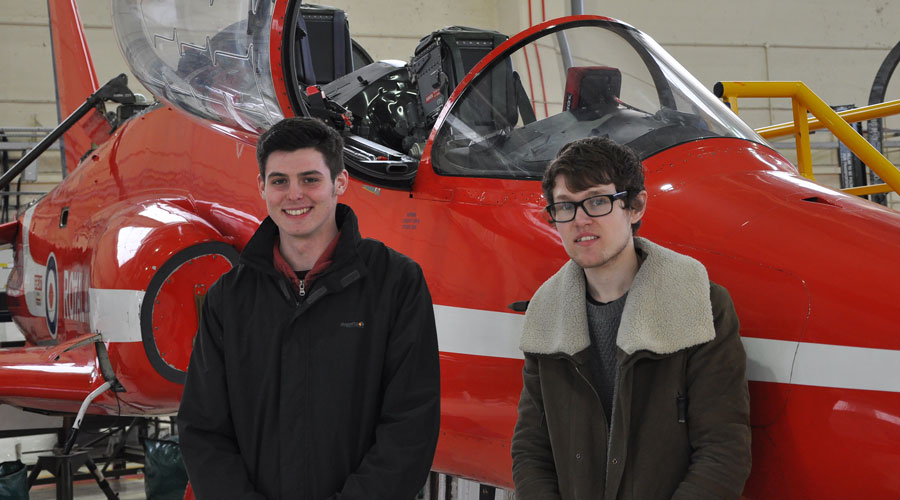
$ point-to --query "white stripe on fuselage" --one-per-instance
(823, 365)
(116, 315)
(31, 270)
(485, 333)
(479, 333)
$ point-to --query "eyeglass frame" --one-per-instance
(612, 198)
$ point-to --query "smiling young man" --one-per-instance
(315, 371)
(634, 378)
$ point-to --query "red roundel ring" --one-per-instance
(171, 307)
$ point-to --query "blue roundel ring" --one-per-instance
(51, 295)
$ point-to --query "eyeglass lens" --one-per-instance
(595, 206)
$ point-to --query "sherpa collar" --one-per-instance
(667, 309)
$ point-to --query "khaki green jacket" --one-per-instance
(681, 413)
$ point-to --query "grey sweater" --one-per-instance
(603, 323)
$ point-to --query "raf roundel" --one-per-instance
(51, 295)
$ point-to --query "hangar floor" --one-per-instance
(128, 488)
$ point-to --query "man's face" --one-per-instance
(594, 242)
(300, 196)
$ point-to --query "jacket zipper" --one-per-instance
(584, 377)
(302, 288)
(608, 424)
(591, 385)
(286, 291)
(621, 368)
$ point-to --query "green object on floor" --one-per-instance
(165, 477)
(13, 481)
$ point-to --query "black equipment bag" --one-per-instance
(13, 481)
(165, 477)
(443, 58)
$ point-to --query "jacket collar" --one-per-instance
(283, 267)
(668, 308)
(258, 252)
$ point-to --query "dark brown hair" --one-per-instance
(296, 133)
(592, 161)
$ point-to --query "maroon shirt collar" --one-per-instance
(282, 265)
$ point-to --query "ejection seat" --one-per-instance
(322, 47)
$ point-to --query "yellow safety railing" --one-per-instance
(806, 101)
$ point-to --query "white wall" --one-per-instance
(391, 30)
(834, 46)
(27, 90)
(26, 448)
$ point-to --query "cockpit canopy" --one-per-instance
(210, 59)
(574, 80)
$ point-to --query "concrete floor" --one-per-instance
(128, 488)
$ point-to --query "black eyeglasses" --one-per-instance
(594, 206)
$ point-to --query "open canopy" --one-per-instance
(210, 59)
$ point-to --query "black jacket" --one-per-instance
(335, 396)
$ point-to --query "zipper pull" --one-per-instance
(681, 407)
(302, 289)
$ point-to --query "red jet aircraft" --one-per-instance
(111, 265)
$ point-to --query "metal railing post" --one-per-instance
(805, 100)
(801, 134)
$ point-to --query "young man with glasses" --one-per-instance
(634, 379)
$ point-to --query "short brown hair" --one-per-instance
(291, 134)
(592, 161)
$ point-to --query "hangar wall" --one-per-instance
(834, 46)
